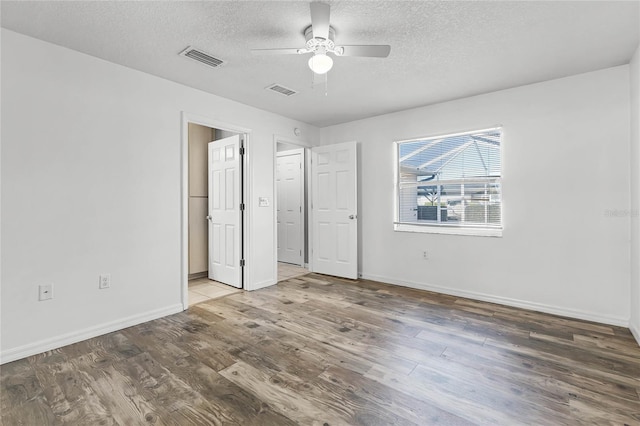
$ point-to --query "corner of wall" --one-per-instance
(634, 148)
(635, 331)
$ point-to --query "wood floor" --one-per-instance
(322, 351)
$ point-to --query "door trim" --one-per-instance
(214, 123)
(306, 207)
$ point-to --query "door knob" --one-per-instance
(209, 217)
(352, 216)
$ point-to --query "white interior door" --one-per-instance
(334, 222)
(225, 215)
(290, 191)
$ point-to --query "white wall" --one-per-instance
(565, 166)
(91, 183)
(634, 73)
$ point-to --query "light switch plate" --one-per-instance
(263, 202)
(45, 292)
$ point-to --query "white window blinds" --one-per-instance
(452, 181)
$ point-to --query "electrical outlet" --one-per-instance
(46, 292)
(105, 281)
(425, 255)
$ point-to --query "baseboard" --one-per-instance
(197, 275)
(636, 333)
(87, 333)
(533, 306)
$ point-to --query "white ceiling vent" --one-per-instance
(282, 90)
(200, 56)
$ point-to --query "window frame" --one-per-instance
(470, 230)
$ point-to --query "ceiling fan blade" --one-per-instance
(320, 20)
(374, 51)
(292, 51)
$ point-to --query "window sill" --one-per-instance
(476, 232)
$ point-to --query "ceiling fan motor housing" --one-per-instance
(319, 44)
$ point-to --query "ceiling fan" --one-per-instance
(320, 42)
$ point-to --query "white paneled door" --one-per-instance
(290, 191)
(225, 214)
(334, 210)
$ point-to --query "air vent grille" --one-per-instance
(282, 90)
(200, 56)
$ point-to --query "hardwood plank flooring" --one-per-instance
(317, 350)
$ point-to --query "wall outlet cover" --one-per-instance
(105, 281)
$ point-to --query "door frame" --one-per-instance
(306, 206)
(303, 211)
(245, 189)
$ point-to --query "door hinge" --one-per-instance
(242, 150)
(241, 263)
(242, 206)
(300, 209)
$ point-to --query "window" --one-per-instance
(450, 184)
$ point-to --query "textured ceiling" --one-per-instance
(441, 50)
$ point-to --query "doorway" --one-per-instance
(330, 209)
(291, 183)
(212, 261)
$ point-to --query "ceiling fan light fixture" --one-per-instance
(320, 63)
